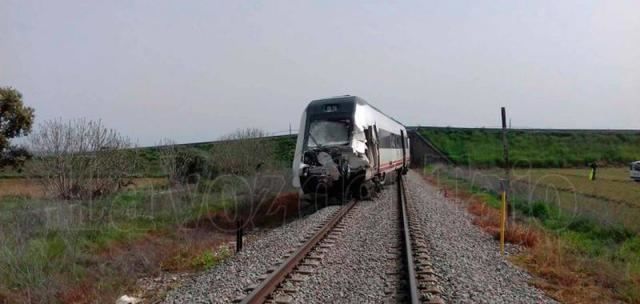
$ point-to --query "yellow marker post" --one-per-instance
(503, 214)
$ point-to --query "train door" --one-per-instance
(373, 146)
(372, 149)
(377, 149)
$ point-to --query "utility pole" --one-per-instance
(507, 165)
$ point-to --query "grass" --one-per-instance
(210, 258)
(42, 260)
(20, 188)
(612, 199)
(575, 259)
(611, 184)
(93, 251)
(483, 147)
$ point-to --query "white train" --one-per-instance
(346, 146)
(634, 171)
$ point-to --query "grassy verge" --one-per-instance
(574, 259)
(87, 252)
(483, 147)
(94, 251)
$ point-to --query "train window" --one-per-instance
(328, 133)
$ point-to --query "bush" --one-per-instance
(192, 165)
(184, 165)
(540, 210)
(80, 159)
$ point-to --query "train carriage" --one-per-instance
(346, 145)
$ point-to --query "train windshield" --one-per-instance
(328, 133)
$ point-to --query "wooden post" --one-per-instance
(503, 220)
(239, 234)
(507, 165)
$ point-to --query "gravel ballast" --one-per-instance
(228, 280)
(354, 269)
(466, 259)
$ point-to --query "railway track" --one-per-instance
(298, 258)
(421, 282)
(415, 281)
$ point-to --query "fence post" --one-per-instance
(239, 234)
(507, 165)
(503, 219)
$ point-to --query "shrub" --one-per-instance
(80, 159)
(540, 210)
(192, 165)
(210, 258)
(184, 165)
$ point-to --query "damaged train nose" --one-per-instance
(322, 171)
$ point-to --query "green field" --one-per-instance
(551, 165)
(612, 199)
(612, 184)
(536, 149)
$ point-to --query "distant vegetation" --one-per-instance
(539, 149)
(280, 150)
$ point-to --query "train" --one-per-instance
(634, 171)
(347, 147)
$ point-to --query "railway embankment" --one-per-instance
(358, 264)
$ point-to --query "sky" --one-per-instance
(197, 70)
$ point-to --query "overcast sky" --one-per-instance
(196, 70)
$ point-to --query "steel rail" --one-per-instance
(408, 250)
(262, 292)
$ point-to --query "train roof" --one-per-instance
(345, 99)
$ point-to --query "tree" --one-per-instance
(80, 159)
(168, 151)
(16, 120)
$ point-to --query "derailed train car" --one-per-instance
(346, 146)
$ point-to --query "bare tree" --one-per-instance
(168, 160)
(80, 159)
(243, 152)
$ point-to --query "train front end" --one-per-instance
(325, 159)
